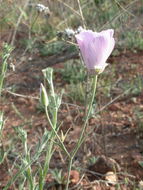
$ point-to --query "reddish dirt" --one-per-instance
(117, 135)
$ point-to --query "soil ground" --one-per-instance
(117, 136)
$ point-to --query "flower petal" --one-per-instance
(96, 47)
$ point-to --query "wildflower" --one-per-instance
(79, 29)
(69, 33)
(42, 9)
(96, 48)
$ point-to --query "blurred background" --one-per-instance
(31, 27)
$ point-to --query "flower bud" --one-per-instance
(43, 96)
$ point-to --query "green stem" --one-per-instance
(80, 141)
(53, 128)
(69, 171)
(5, 57)
(87, 117)
(32, 25)
(47, 162)
(50, 148)
(30, 179)
(28, 171)
(7, 49)
(49, 151)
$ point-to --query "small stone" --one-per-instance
(134, 100)
(69, 118)
(111, 177)
(74, 176)
(140, 185)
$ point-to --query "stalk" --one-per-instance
(80, 141)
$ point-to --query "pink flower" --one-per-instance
(96, 48)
